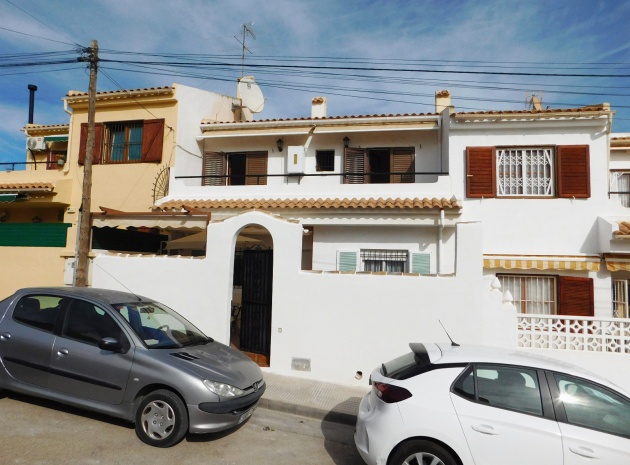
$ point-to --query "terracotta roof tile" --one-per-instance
(534, 111)
(26, 185)
(78, 93)
(345, 203)
(624, 229)
(326, 118)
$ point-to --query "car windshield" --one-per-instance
(159, 327)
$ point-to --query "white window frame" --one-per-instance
(620, 182)
(525, 172)
(530, 294)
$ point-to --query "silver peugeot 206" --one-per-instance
(125, 356)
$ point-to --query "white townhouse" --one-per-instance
(332, 242)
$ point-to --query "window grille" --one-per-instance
(525, 172)
(532, 294)
(620, 184)
(124, 142)
(393, 261)
(325, 160)
(620, 298)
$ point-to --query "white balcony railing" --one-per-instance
(590, 334)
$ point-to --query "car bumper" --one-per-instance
(374, 434)
(209, 417)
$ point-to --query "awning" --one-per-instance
(6, 198)
(63, 138)
(193, 242)
(194, 223)
(618, 264)
(542, 262)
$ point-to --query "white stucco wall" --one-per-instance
(329, 240)
(193, 106)
(342, 323)
(537, 226)
(427, 158)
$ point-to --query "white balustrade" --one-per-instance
(591, 334)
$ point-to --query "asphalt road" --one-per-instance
(39, 432)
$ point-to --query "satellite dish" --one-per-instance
(250, 94)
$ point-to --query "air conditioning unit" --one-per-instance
(35, 143)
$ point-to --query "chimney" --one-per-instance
(318, 109)
(31, 102)
(442, 100)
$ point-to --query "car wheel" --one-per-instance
(421, 453)
(161, 419)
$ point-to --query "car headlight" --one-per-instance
(222, 389)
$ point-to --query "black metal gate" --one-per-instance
(256, 301)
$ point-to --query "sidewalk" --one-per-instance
(316, 399)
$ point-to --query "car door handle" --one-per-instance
(485, 429)
(62, 352)
(5, 336)
(584, 451)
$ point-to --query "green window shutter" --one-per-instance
(33, 234)
(347, 261)
(421, 263)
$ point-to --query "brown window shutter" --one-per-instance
(256, 165)
(575, 296)
(573, 168)
(98, 143)
(402, 161)
(481, 172)
(354, 166)
(152, 140)
(213, 165)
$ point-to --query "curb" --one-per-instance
(311, 412)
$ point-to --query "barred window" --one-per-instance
(525, 172)
(532, 294)
(384, 260)
(325, 160)
(123, 142)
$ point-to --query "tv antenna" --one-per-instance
(248, 28)
(533, 100)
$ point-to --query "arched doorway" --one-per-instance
(252, 287)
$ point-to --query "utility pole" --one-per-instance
(84, 219)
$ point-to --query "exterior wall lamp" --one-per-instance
(346, 142)
(280, 144)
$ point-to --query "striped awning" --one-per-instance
(543, 262)
(618, 264)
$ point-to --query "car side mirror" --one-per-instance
(111, 344)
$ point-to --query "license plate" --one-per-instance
(246, 415)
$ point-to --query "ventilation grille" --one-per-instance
(185, 356)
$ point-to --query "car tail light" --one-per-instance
(390, 394)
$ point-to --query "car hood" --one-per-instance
(217, 362)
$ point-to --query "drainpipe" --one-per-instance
(439, 242)
(66, 167)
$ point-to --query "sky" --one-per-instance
(366, 57)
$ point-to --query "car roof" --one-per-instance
(443, 353)
(107, 296)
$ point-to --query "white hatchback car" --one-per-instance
(443, 404)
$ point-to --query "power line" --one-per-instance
(41, 22)
(373, 69)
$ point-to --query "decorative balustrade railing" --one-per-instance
(590, 334)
